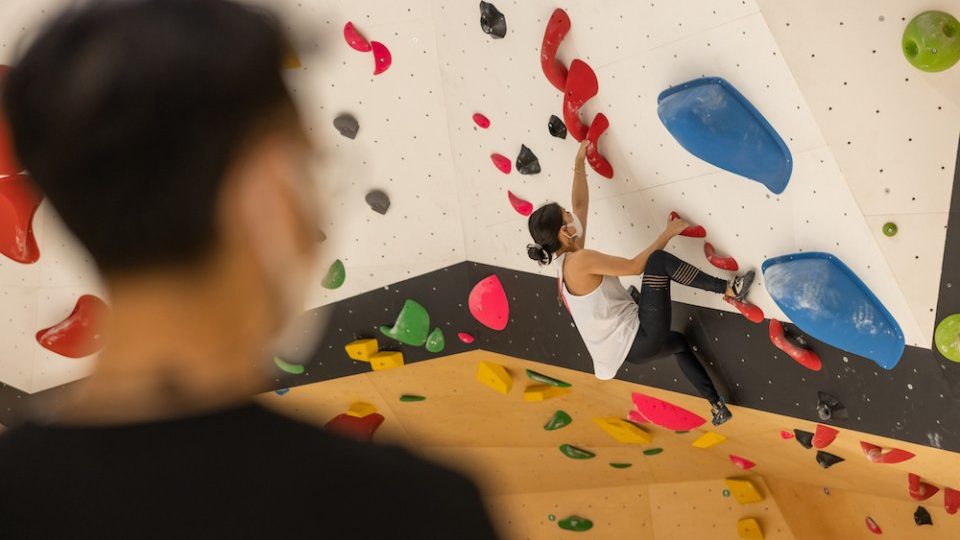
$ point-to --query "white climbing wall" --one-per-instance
(817, 81)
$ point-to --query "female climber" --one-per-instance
(617, 325)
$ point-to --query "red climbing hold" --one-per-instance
(804, 357)
(8, 159)
(557, 28)
(381, 57)
(666, 414)
(524, 208)
(635, 416)
(693, 231)
(742, 463)
(876, 454)
(361, 429)
(354, 38)
(581, 86)
(488, 303)
(824, 436)
(481, 120)
(501, 162)
(951, 500)
(751, 312)
(918, 489)
(597, 161)
(724, 263)
(465, 337)
(872, 525)
(18, 203)
(80, 334)
(786, 435)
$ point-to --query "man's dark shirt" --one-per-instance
(240, 473)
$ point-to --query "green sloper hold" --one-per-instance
(575, 523)
(336, 275)
(652, 451)
(293, 369)
(621, 465)
(412, 397)
(931, 41)
(412, 325)
(558, 420)
(435, 341)
(576, 453)
(544, 379)
(947, 337)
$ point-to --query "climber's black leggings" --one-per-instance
(654, 338)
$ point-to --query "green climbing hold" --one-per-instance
(889, 229)
(336, 275)
(552, 517)
(947, 337)
(435, 341)
(558, 420)
(621, 465)
(575, 523)
(294, 369)
(576, 453)
(544, 379)
(412, 397)
(726, 493)
(412, 325)
(652, 451)
(931, 41)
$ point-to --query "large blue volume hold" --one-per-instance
(714, 122)
(825, 299)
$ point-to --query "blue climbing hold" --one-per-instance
(714, 122)
(825, 299)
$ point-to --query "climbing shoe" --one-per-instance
(720, 412)
(741, 284)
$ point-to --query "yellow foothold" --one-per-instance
(743, 490)
(749, 529)
(623, 431)
(359, 409)
(540, 392)
(495, 376)
(362, 349)
(708, 439)
(386, 360)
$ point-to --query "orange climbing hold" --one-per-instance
(824, 436)
(804, 357)
(80, 334)
(876, 454)
(918, 489)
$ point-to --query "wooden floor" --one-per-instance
(678, 493)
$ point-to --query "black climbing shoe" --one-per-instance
(720, 413)
(635, 294)
(741, 285)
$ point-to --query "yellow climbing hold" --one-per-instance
(743, 490)
(359, 409)
(386, 360)
(708, 439)
(540, 392)
(623, 431)
(362, 349)
(749, 529)
(495, 376)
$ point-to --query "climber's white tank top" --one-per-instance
(607, 320)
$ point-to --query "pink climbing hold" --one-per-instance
(951, 500)
(751, 312)
(666, 414)
(824, 436)
(581, 87)
(786, 435)
(723, 263)
(481, 120)
(635, 416)
(488, 303)
(381, 57)
(557, 28)
(742, 463)
(354, 38)
(693, 231)
(918, 489)
(81, 333)
(872, 525)
(804, 357)
(465, 337)
(524, 208)
(501, 162)
(597, 162)
(876, 454)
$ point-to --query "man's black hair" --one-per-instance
(128, 114)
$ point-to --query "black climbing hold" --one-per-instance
(347, 125)
(805, 438)
(827, 460)
(527, 162)
(556, 127)
(378, 201)
(922, 517)
(829, 407)
(492, 21)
